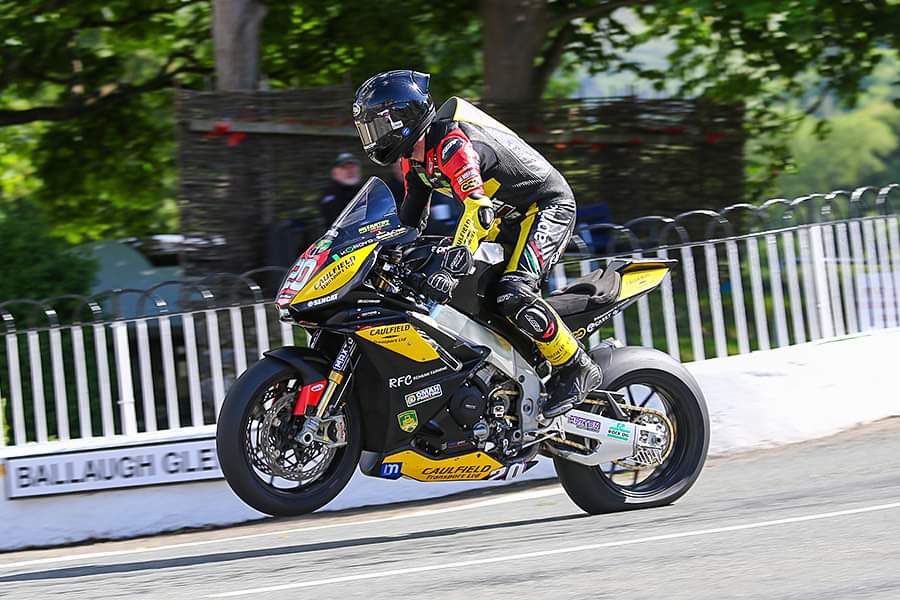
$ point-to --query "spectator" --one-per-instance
(345, 183)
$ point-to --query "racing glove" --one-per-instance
(443, 271)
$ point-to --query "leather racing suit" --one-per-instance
(510, 194)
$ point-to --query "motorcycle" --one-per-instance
(448, 392)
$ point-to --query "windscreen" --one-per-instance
(371, 217)
(373, 203)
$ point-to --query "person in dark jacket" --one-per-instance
(345, 182)
(508, 192)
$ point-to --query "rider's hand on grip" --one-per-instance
(441, 273)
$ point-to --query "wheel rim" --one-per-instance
(277, 461)
(645, 482)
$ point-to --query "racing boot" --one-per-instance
(570, 384)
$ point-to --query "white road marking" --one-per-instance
(508, 557)
(504, 499)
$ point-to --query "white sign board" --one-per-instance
(131, 466)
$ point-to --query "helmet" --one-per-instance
(391, 111)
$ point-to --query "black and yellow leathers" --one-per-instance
(511, 194)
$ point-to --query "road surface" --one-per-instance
(819, 521)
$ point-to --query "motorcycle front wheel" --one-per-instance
(261, 459)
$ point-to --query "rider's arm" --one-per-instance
(414, 208)
(458, 161)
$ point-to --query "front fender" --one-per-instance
(311, 364)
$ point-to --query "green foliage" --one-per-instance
(17, 144)
(86, 126)
(101, 182)
(769, 54)
(315, 43)
(88, 117)
(35, 264)
(862, 146)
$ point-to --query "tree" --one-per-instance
(103, 68)
(88, 83)
(63, 60)
(723, 49)
(36, 264)
(862, 146)
(236, 25)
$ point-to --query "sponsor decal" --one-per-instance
(331, 277)
(322, 245)
(389, 329)
(424, 395)
(405, 380)
(340, 362)
(354, 247)
(390, 234)
(450, 147)
(579, 333)
(472, 466)
(332, 274)
(619, 431)
(408, 420)
(583, 423)
(377, 225)
(467, 175)
(391, 470)
(470, 185)
(457, 472)
(403, 338)
(323, 300)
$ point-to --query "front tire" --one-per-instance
(242, 402)
(594, 489)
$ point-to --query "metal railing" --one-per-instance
(752, 278)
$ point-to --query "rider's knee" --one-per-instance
(518, 300)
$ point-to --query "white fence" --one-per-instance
(731, 294)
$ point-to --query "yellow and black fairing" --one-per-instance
(340, 260)
(412, 382)
(589, 301)
(409, 380)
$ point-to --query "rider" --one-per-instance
(510, 193)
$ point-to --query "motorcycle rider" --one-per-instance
(510, 194)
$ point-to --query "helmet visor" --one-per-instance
(372, 130)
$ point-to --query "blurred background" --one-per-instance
(142, 141)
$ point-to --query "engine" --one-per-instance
(484, 407)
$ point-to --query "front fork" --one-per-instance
(337, 382)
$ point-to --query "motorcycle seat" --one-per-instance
(595, 289)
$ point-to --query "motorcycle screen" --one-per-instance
(370, 217)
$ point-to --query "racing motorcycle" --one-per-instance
(448, 392)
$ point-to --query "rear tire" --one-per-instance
(593, 490)
(246, 392)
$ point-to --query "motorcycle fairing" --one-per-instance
(340, 260)
(472, 466)
(402, 339)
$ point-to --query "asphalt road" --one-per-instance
(813, 521)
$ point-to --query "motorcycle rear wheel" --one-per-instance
(241, 461)
(604, 488)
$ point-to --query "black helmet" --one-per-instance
(391, 111)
